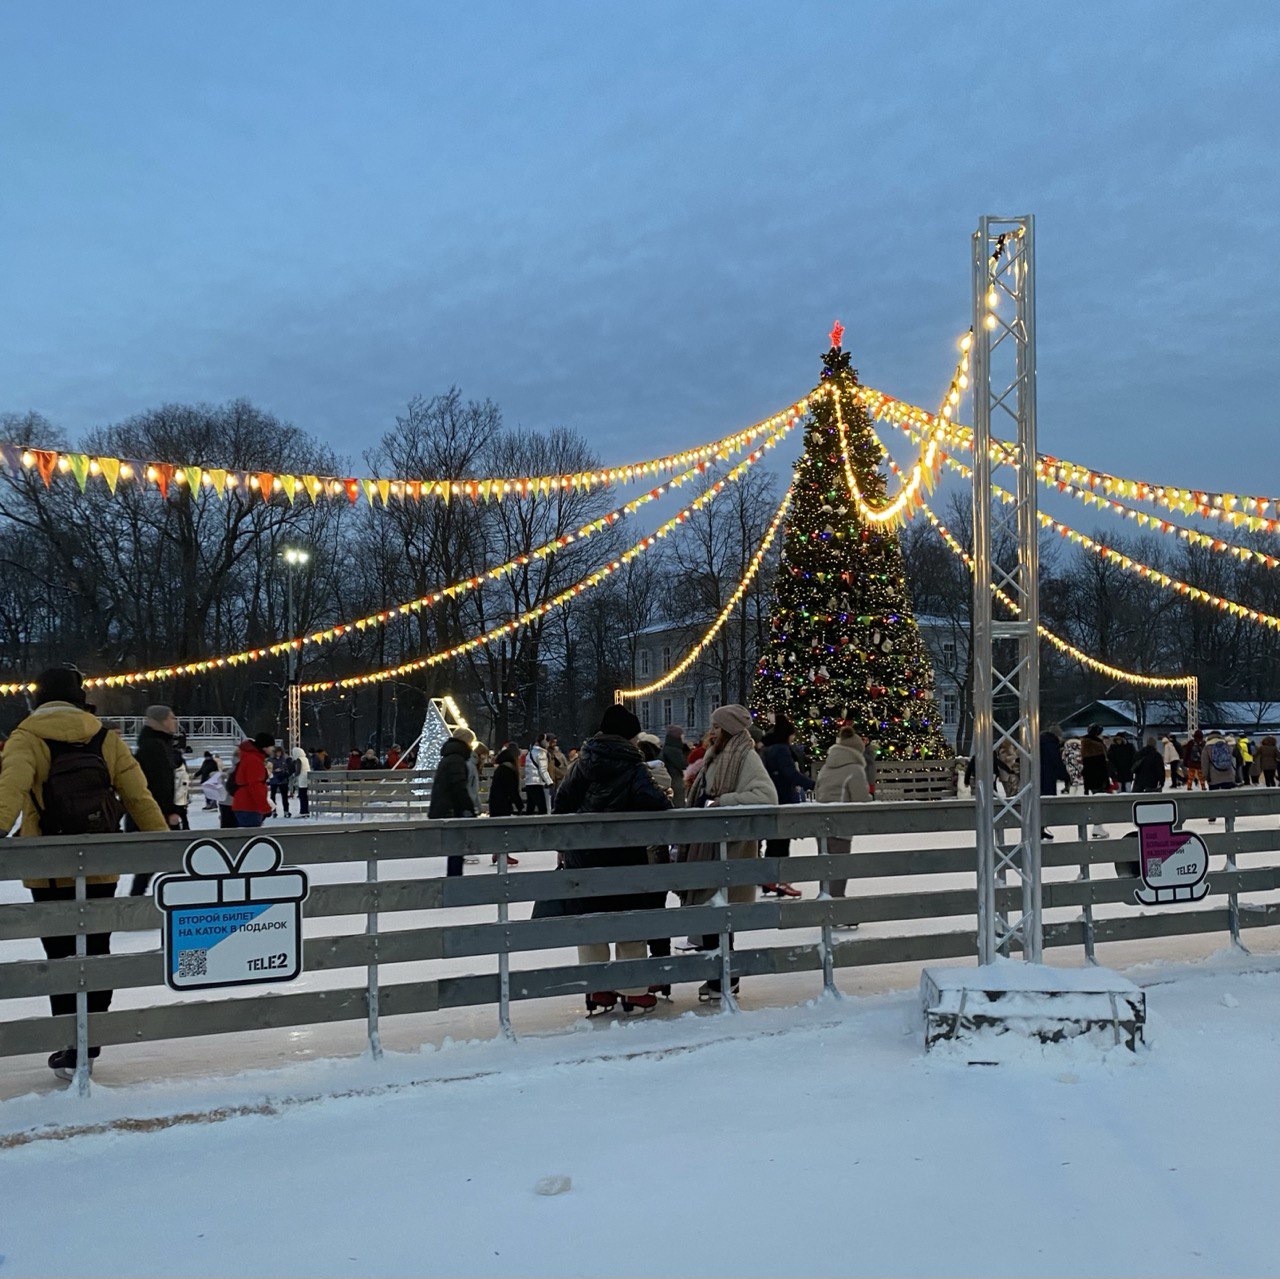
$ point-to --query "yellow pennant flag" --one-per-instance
(384, 490)
(110, 468)
(79, 468)
(313, 486)
(219, 478)
(369, 488)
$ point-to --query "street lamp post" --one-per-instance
(295, 559)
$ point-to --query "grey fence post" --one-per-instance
(1233, 897)
(504, 955)
(1082, 833)
(82, 990)
(824, 943)
(727, 1001)
(371, 931)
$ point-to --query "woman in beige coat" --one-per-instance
(732, 774)
(843, 780)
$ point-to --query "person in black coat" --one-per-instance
(154, 754)
(450, 792)
(1148, 768)
(505, 799)
(1121, 757)
(504, 790)
(610, 776)
(779, 759)
(1053, 768)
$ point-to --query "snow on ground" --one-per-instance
(815, 1140)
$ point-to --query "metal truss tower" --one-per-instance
(1006, 655)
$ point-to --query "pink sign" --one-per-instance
(1173, 863)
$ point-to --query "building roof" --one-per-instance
(1111, 713)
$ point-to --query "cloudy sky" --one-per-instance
(640, 220)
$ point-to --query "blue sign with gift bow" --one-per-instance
(232, 920)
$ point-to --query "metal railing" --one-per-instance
(374, 792)
(914, 899)
(196, 727)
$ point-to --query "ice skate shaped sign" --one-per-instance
(1173, 863)
(232, 921)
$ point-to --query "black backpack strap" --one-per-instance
(95, 743)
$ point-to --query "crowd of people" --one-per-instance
(623, 768)
(63, 772)
(1102, 765)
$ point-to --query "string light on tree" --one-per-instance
(843, 644)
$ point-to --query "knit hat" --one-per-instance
(60, 684)
(264, 741)
(650, 739)
(618, 721)
(464, 735)
(674, 730)
(732, 718)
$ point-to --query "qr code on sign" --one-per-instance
(193, 963)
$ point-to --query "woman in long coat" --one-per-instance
(732, 774)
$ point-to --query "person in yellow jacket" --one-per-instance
(62, 716)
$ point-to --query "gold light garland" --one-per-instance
(1063, 646)
(924, 472)
(453, 590)
(1144, 519)
(1236, 509)
(1129, 564)
(222, 481)
(723, 616)
(530, 615)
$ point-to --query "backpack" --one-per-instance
(79, 798)
(1220, 757)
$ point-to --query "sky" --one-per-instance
(640, 221)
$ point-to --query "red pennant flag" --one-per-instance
(266, 482)
(353, 490)
(164, 474)
(46, 461)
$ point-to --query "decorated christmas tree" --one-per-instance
(844, 646)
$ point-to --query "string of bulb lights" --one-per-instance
(226, 481)
(1156, 523)
(452, 591)
(708, 636)
(580, 587)
(1063, 646)
(1131, 565)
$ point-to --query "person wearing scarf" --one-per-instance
(731, 774)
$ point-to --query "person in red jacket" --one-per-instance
(249, 799)
(353, 762)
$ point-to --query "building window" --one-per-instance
(666, 658)
(951, 707)
(645, 716)
(715, 702)
(949, 654)
(644, 661)
(667, 712)
(690, 711)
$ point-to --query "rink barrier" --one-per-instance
(374, 792)
(368, 847)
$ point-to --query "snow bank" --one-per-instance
(810, 1141)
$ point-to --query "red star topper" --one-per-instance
(837, 332)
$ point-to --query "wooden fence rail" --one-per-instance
(915, 898)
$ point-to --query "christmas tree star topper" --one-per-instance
(837, 332)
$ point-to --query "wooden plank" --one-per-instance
(311, 844)
(176, 1021)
